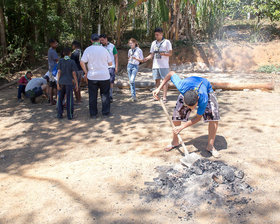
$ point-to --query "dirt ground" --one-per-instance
(92, 171)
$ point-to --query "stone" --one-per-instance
(228, 173)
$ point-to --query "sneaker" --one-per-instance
(215, 153)
(20, 100)
(107, 115)
(134, 99)
(59, 116)
(93, 117)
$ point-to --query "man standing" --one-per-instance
(115, 61)
(97, 75)
(161, 50)
(52, 61)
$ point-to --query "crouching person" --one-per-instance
(194, 92)
(35, 88)
(66, 73)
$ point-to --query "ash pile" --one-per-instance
(212, 182)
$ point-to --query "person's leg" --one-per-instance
(156, 77)
(105, 96)
(112, 80)
(21, 89)
(129, 73)
(60, 95)
(93, 92)
(212, 130)
(132, 81)
(69, 101)
(163, 72)
(180, 113)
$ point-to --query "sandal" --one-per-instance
(171, 147)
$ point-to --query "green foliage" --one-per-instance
(265, 9)
(269, 69)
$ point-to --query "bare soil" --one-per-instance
(93, 171)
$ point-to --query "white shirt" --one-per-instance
(110, 48)
(161, 61)
(97, 58)
(36, 82)
(137, 53)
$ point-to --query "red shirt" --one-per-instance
(23, 80)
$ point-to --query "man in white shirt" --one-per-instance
(161, 50)
(113, 70)
(97, 75)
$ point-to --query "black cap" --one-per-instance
(94, 37)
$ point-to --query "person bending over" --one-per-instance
(194, 92)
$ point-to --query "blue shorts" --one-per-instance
(112, 75)
(160, 73)
(37, 91)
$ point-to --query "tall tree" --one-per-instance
(3, 29)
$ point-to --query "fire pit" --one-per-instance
(213, 182)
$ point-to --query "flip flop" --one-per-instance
(170, 147)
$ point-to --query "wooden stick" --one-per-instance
(215, 85)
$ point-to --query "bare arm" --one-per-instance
(75, 79)
(84, 67)
(149, 57)
(137, 59)
(164, 81)
(116, 62)
(188, 124)
(58, 77)
(168, 54)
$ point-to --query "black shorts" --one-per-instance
(53, 84)
(182, 113)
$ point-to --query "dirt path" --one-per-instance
(88, 171)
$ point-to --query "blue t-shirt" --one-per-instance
(184, 85)
(52, 57)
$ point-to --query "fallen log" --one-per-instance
(16, 81)
(215, 85)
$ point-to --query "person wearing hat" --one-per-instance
(97, 75)
(194, 92)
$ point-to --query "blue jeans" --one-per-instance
(21, 89)
(132, 70)
(68, 91)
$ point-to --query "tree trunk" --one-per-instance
(119, 23)
(176, 19)
(3, 31)
(44, 17)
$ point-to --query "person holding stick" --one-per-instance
(194, 92)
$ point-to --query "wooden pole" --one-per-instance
(215, 85)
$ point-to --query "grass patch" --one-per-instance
(269, 69)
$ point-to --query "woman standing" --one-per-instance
(135, 56)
